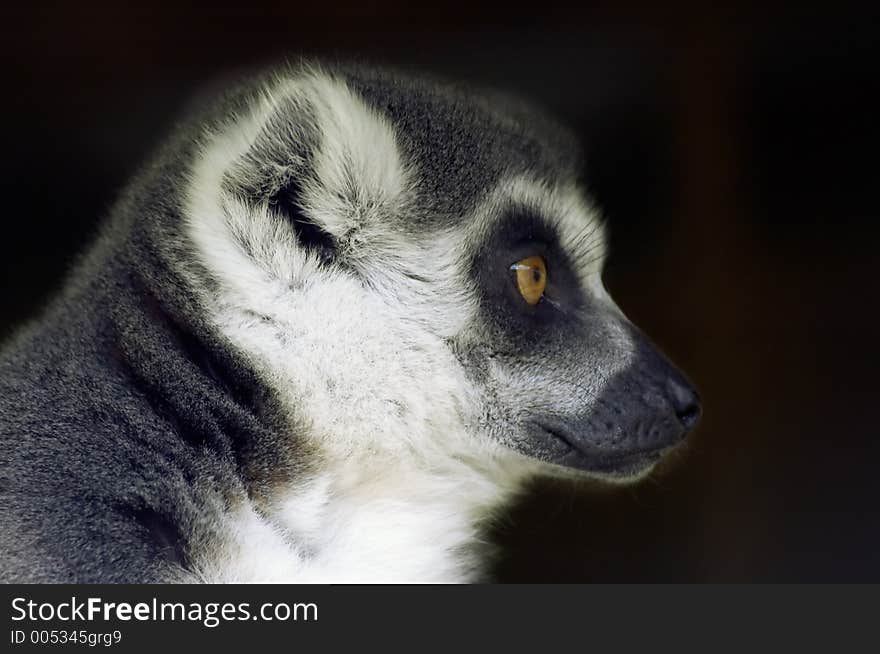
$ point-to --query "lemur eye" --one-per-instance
(531, 278)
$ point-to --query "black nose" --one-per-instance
(685, 401)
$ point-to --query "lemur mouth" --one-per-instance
(583, 456)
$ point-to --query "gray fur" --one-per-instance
(130, 426)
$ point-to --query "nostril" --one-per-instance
(685, 402)
(690, 414)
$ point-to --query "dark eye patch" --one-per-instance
(517, 235)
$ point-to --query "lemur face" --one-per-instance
(573, 382)
(417, 273)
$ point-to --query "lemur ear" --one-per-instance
(288, 201)
(308, 172)
(358, 177)
(324, 159)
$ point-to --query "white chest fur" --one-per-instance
(398, 528)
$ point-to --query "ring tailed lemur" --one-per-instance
(338, 321)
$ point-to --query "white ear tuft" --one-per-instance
(350, 172)
(359, 176)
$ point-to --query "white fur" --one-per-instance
(403, 483)
(361, 361)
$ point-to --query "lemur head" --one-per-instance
(415, 270)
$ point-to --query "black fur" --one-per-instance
(129, 427)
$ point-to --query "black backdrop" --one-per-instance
(733, 151)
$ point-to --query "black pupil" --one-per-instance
(536, 274)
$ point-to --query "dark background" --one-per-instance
(735, 154)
